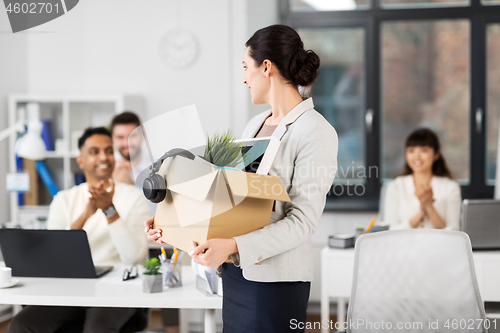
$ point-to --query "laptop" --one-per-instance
(480, 221)
(49, 253)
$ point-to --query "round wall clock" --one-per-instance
(178, 48)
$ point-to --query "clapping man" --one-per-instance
(112, 215)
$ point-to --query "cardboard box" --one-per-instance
(204, 202)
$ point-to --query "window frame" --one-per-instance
(485, 22)
(478, 15)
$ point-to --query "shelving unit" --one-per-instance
(69, 115)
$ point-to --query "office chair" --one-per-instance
(415, 278)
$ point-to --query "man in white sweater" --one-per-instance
(112, 215)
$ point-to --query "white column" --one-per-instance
(209, 320)
(325, 298)
(183, 321)
(341, 310)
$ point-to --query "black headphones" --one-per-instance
(154, 187)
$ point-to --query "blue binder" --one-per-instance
(46, 178)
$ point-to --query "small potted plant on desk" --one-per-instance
(152, 281)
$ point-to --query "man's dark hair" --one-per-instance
(92, 131)
(124, 118)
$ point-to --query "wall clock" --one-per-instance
(178, 48)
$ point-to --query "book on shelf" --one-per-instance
(19, 168)
(47, 135)
(46, 177)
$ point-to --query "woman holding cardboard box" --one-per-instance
(267, 287)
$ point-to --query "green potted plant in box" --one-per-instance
(223, 151)
(152, 281)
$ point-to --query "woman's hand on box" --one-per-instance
(154, 235)
(214, 252)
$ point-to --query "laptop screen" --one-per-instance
(47, 253)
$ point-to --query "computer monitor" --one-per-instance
(480, 222)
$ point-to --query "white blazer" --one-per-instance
(401, 203)
(306, 164)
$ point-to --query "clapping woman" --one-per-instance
(425, 195)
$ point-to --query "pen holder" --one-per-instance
(359, 232)
(172, 274)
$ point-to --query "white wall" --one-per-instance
(261, 13)
(112, 46)
(13, 78)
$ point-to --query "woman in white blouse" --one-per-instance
(425, 195)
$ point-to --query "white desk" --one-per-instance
(110, 291)
(337, 267)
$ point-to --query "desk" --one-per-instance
(109, 291)
(337, 267)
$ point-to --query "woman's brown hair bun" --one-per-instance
(282, 46)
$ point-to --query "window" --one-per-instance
(492, 99)
(423, 3)
(390, 66)
(327, 5)
(339, 92)
(425, 83)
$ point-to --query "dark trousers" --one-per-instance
(262, 307)
(170, 317)
(48, 319)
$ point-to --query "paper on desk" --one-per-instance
(209, 275)
(180, 128)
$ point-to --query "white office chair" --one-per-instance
(414, 278)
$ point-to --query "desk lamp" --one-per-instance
(30, 145)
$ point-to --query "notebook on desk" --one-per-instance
(480, 222)
(49, 253)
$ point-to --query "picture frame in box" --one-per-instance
(260, 152)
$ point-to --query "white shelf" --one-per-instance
(68, 113)
(70, 98)
(56, 154)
